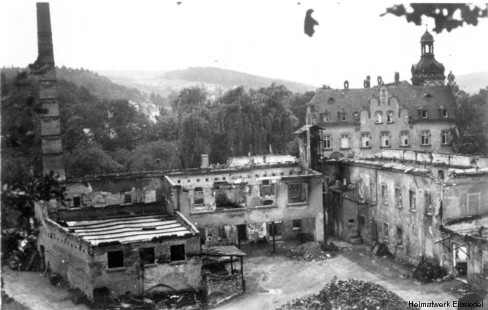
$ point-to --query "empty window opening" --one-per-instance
(351, 221)
(440, 174)
(379, 117)
(389, 117)
(198, 197)
(147, 255)
(297, 225)
(177, 252)
(76, 201)
(297, 192)
(115, 259)
(127, 198)
(399, 236)
(398, 197)
(413, 200)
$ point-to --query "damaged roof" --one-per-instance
(128, 229)
(476, 226)
(225, 250)
(389, 165)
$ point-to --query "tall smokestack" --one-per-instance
(52, 149)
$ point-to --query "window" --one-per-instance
(327, 144)
(389, 117)
(404, 137)
(342, 116)
(399, 236)
(385, 139)
(423, 113)
(365, 140)
(425, 137)
(445, 137)
(267, 188)
(398, 197)
(297, 192)
(384, 193)
(147, 255)
(326, 117)
(379, 117)
(76, 201)
(440, 174)
(344, 141)
(115, 259)
(297, 225)
(372, 191)
(427, 202)
(413, 200)
(443, 113)
(177, 252)
(198, 196)
(128, 198)
(385, 230)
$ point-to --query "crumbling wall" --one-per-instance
(63, 254)
(134, 278)
(216, 285)
(465, 196)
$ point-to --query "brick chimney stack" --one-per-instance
(52, 149)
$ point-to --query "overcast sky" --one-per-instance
(258, 37)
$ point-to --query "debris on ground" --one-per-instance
(348, 295)
(428, 271)
(381, 249)
(308, 251)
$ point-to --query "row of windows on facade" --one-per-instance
(115, 259)
(240, 177)
(385, 138)
(343, 117)
(399, 230)
(412, 202)
(297, 192)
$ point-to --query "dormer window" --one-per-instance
(443, 113)
(326, 117)
(423, 113)
(331, 100)
(342, 116)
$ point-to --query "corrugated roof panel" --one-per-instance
(127, 229)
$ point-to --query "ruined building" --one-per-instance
(132, 233)
(392, 179)
(399, 115)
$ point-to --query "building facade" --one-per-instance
(419, 116)
(251, 199)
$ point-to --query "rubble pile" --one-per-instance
(381, 249)
(308, 251)
(348, 295)
(427, 271)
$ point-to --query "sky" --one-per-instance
(258, 37)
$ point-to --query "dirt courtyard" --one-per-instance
(270, 280)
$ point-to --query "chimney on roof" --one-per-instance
(367, 82)
(346, 84)
(205, 163)
(44, 68)
(397, 78)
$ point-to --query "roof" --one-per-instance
(476, 226)
(304, 128)
(258, 160)
(350, 101)
(228, 250)
(128, 229)
(427, 37)
(387, 165)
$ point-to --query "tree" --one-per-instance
(444, 14)
(472, 124)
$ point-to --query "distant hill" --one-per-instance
(472, 82)
(215, 80)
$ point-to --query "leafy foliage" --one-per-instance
(444, 14)
(472, 124)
